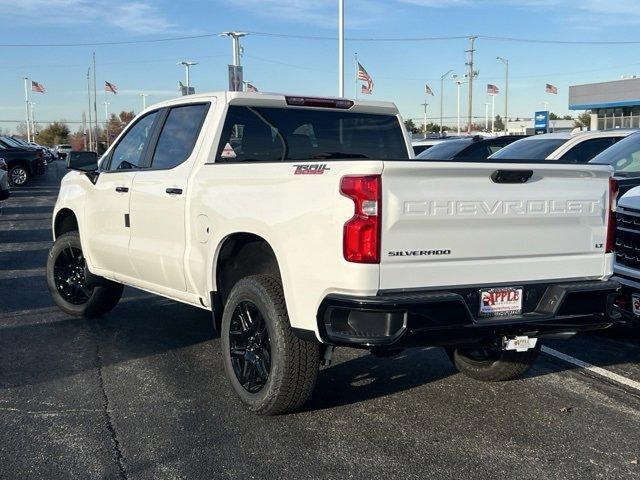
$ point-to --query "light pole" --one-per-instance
(506, 91)
(106, 121)
(237, 49)
(470, 76)
(458, 83)
(144, 100)
(341, 48)
(442, 96)
(236, 84)
(187, 65)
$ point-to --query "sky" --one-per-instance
(399, 67)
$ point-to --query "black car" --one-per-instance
(22, 163)
(468, 149)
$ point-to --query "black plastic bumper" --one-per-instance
(448, 318)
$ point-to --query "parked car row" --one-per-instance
(23, 161)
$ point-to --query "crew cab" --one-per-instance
(306, 223)
(22, 163)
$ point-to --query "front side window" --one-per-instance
(264, 134)
(179, 135)
(128, 153)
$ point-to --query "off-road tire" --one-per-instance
(294, 363)
(508, 366)
(101, 299)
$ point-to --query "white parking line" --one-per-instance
(592, 368)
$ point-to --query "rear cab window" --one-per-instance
(272, 134)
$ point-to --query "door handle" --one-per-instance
(174, 191)
(122, 189)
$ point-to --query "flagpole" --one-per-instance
(26, 106)
(95, 106)
(355, 89)
(493, 113)
(341, 48)
(90, 121)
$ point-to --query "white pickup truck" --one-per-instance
(306, 223)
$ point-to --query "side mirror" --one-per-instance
(82, 161)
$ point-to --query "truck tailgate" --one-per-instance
(449, 224)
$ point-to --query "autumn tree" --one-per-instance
(117, 123)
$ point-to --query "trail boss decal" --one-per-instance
(418, 253)
(311, 169)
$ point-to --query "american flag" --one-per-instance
(551, 89)
(37, 87)
(492, 89)
(427, 90)
(365, 77)
(110, 87)
(251, 88)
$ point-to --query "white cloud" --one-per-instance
(319, 13)
(590, 12)
(138, 17)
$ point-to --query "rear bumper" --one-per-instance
(449, 317)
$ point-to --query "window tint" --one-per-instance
(534, 148)
(178, 136)
(445, 150)
(256, 134)
(624, 156)
(585, 151)
(477, 151)
(128, 153)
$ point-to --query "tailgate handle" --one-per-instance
(511, 176)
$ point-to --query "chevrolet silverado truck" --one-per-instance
(305, 223)
(627, 264)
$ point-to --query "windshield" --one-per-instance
(624, 156)
(11, 142)
(445, 150)
(260, 134)
(533, 148)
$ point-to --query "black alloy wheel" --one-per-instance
(249, 347)
(68, 274)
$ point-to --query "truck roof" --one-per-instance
(276, 100)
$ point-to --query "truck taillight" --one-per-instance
(361, 241)
(611, 225)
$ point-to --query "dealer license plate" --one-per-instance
(500, 302)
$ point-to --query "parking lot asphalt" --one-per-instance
(141, 393)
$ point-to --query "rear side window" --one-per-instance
(179, 135)
(585, 151)
(260, 134)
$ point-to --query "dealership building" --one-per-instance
(613, 104)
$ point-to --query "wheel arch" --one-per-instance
(257, 257)
(65, 221)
